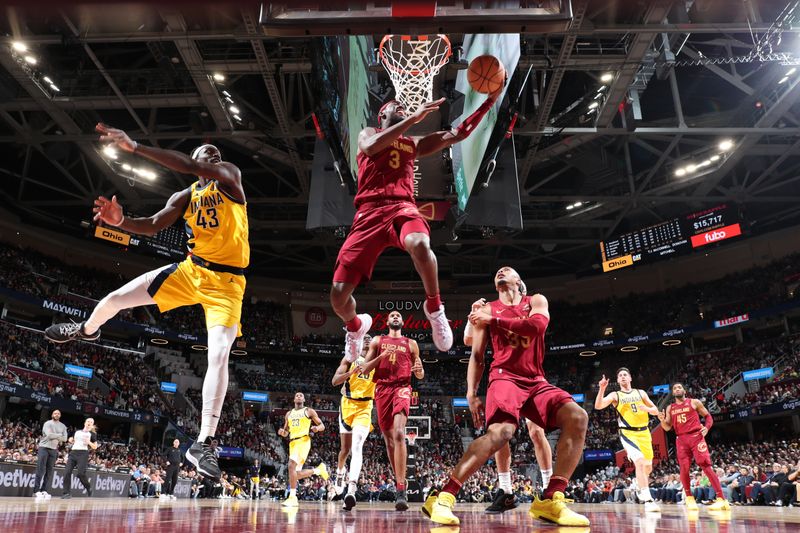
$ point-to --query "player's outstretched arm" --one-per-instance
(438, 141)
(416, 366)
(371, 141)
(228, 174)
(342, 373)
(110, 212)
(703, 412)
(603, 400)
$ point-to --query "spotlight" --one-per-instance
(578, 204)
(48, 80)
(226, 93)
(691, 168)
(791, 71)
(607, 77)
(714, 157)
(238, 118)
(19, 46)
(783, 80)
(680, 172)
(55, 88)
(218, 77)
(593, 105)
(127, 167)
(570, 207)
(30, 60)
(726, 145)
(233, 109)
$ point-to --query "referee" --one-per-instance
(174, 462)
(79, 457)
(54, 433)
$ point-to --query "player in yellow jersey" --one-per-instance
(297, 426)
(355, 420)
(214, 211)
(633, 407)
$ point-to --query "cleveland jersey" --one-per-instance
(395, 368)
(299, 423)
(684, 417)
(216, 225)
(359, 386)
(513, 353)
(630, 410)
(387, 175)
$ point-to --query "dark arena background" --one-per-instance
(640, 169)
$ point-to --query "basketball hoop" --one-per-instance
(412, 438)
(412, 63)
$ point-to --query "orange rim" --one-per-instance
(414, 72)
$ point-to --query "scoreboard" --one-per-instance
(678, 235)
(169, 243)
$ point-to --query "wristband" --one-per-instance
(118, 224)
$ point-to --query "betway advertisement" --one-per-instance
(18, 480)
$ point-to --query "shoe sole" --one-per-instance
(349, 502)
(401, 506)
(501, 511)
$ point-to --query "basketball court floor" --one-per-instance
(219, 516)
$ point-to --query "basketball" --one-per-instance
(486, 74)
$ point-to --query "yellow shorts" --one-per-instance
(354, 413)
(298, 450)
(637, 444)
(186, 283)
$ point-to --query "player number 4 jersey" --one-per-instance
(216, 225)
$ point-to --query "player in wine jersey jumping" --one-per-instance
(355, 422)
(517, 387)
(386, 215)
(504, 499)
(394, 358)
(633, 409)
(684, 416)
(214, 210)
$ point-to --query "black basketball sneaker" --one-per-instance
(401, 501)
(204, 459)
(502, 502)
(69, 331)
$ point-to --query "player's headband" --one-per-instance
(523, 289)
(200, 148)
(383, 107)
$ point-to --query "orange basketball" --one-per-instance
(486, 74)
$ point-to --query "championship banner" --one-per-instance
(18, 479)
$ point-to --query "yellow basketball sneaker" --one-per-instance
(442, 510)
(720, 504)
(291, 501)
(427, 507)
(555, 510)
(322, 471)
(691, 504)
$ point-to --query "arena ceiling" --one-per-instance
(698, 72)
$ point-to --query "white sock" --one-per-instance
(357, 452)
(292, 492)
(546, 475)
(644, 494)
(504, 481)
(352, 487)
(215, 383)
(132, 294)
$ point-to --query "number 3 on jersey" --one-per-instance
(209, 220)
(394, 159)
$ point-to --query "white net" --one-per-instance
(412, 62)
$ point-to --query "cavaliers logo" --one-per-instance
(404, 393)
(702, 447)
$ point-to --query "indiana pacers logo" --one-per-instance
(702, 447)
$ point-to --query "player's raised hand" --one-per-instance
(662, 416)
(429, 107)
(476, 408)
(478, 304)
(115, 136)
(603, 383)
(108, 211)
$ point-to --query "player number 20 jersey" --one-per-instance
(359, 386)
(216, 225)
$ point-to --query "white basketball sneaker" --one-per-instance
(354, 340)
(440, 328)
